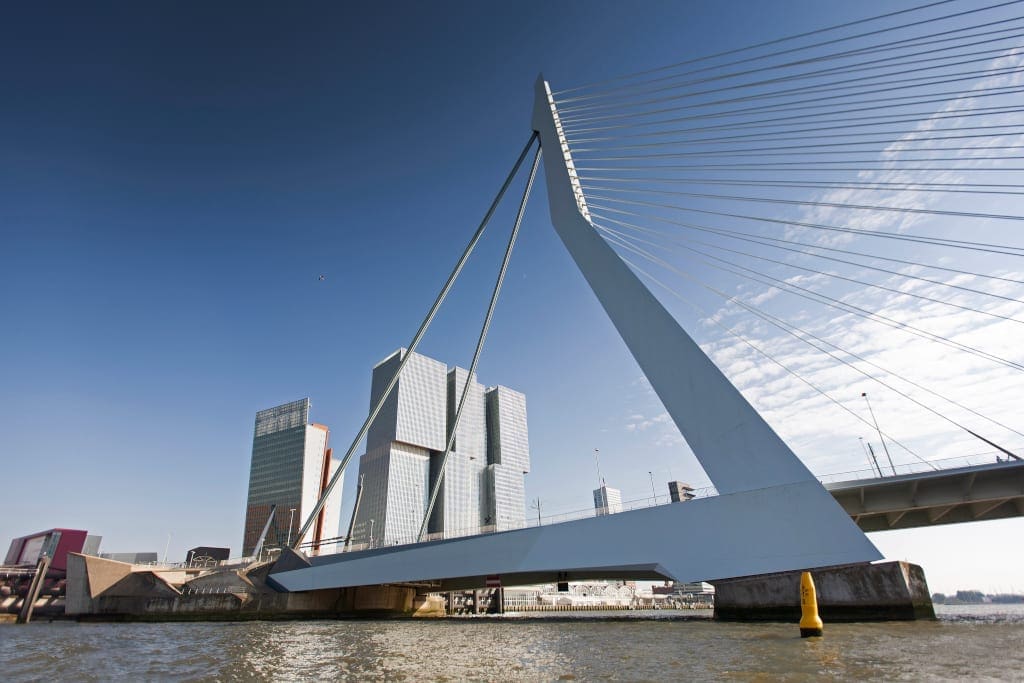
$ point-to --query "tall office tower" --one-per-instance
(607, 501)
(395, 470)
(291, 465)
(405, 447)
(457, 511)
(508, 457)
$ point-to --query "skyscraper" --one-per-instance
(395, 470)
(290, 467)
(483, 481)
(508, 457)
(607, 501)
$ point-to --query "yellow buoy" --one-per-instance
(810, 622)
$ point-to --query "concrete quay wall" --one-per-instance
(106, 590)
(888, 591)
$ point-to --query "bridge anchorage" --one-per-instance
(602, 145)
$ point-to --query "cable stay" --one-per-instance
(805, 47)
(803, 202)
(816, 102)
(918, 65)
(874, 120)
(811, 133)
(921, 239)
(796, 332)
(908, 43)
(902, 137)
(832, 302)
(805, 167)
(894, 153)
(874, 105)
(837, 276)
(454, 427)
(878, 186)
(713, 320)
(904, 128)
(627, 241)
(768, 242)
(417, 337)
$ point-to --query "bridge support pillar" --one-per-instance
(888, 591)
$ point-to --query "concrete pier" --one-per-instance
(100, 589)
(888, 591)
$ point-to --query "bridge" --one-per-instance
(617, 157)
(971, 493)
(577, 542)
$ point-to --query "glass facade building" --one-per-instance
(483, 480)
(290, 466)
(607, 501)
(508, 455)
(457, 511)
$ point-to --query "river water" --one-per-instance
(977, 642)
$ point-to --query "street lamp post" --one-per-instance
(871, 457)
(597, 462)
(654, 493)
(291, 518)
(371, 533)
(879, 430)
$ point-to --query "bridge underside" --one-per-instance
(753, 532)
(968, 494)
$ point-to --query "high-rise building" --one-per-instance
(508, 457)
(291, 465)
(607, 501)
(460, 499)
(483, 480)
(395, 470)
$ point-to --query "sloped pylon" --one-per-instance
(738, 450)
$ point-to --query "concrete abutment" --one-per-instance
(887, 591)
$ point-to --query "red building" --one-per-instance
(26, 550)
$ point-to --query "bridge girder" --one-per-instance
(974, 494)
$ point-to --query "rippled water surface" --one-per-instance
(970, 642)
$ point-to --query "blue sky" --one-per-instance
(175, 176)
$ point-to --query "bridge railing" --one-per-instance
(985, 458)
(545, 520)
(652, 501)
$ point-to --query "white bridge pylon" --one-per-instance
(771, 513)
(738, 450)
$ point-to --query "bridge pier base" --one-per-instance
(888, 591)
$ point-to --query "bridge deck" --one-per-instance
(738, 534)
(965, 494)
(680, 541)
